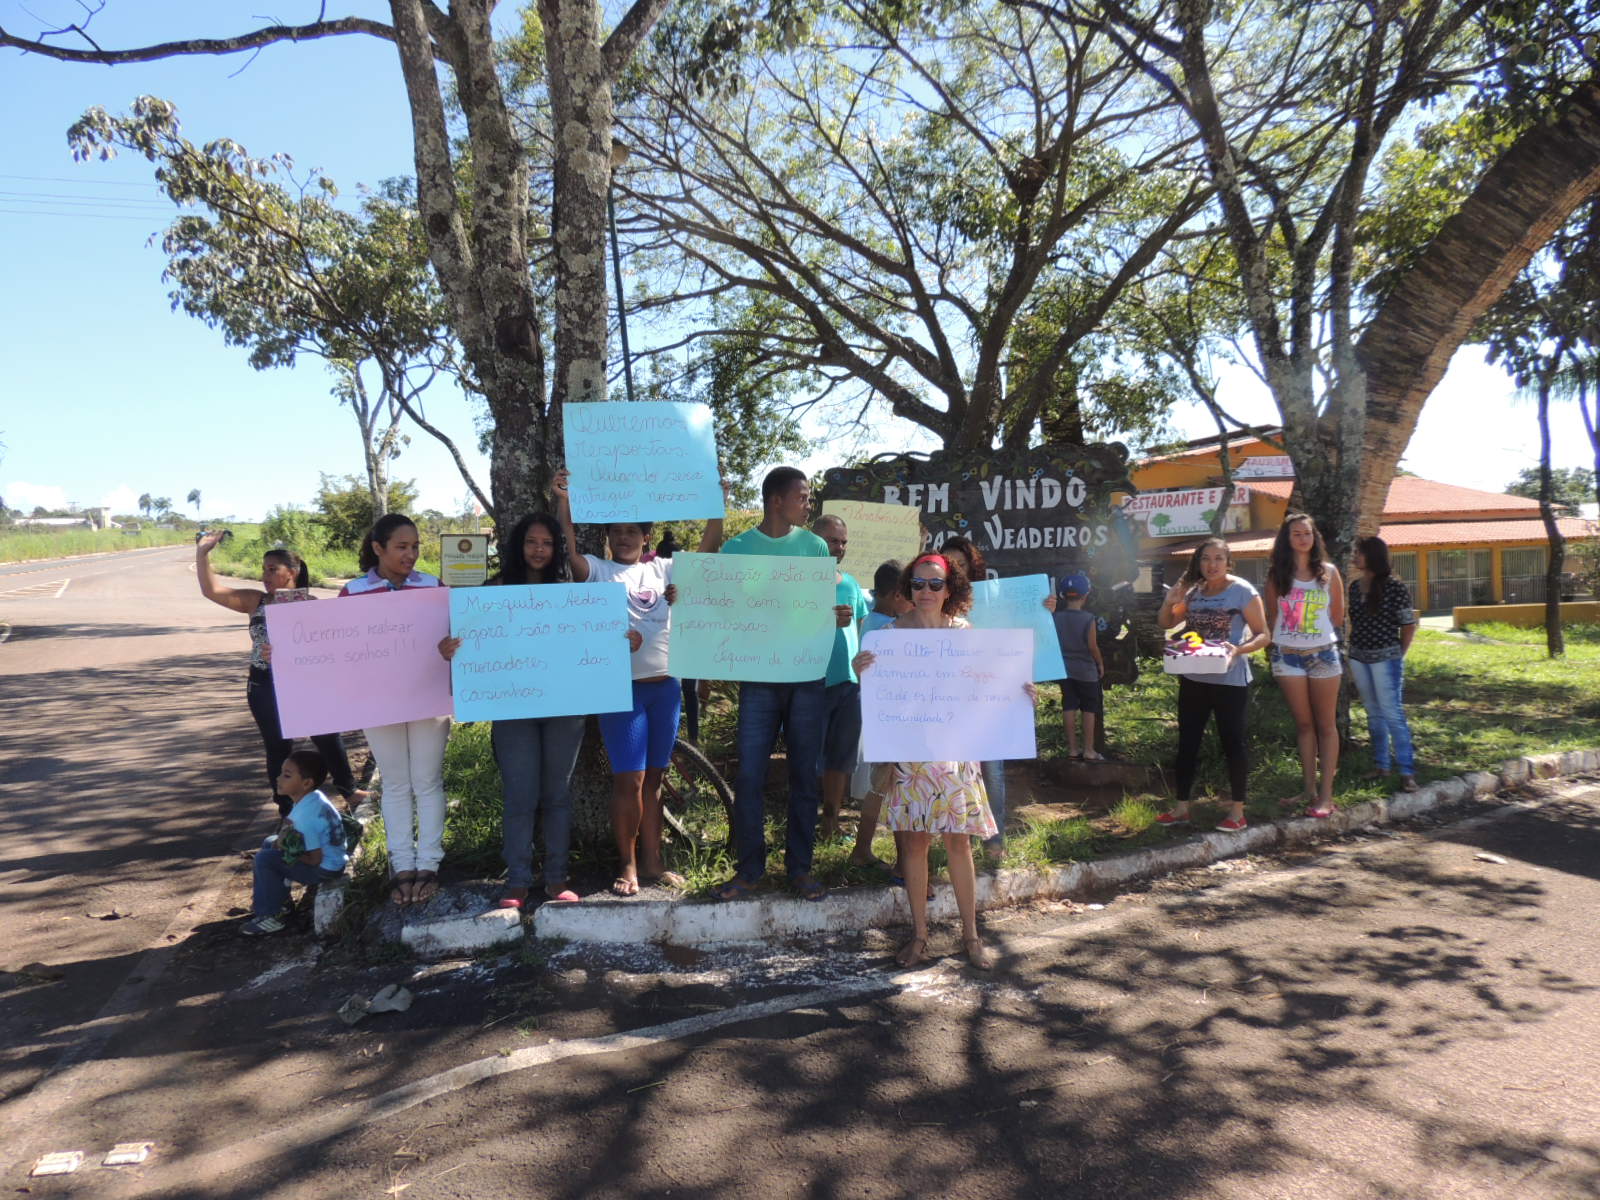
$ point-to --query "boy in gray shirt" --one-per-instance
(1082, 666)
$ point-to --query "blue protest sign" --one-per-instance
(645, 461)
(1018, 603)
(540, 650)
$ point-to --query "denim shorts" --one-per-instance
(842, 735)
(1320, 663)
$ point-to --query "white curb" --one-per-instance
(771, 915)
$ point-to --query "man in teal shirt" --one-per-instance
(842, 726)
(798, 709)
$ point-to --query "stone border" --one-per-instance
(777, 915)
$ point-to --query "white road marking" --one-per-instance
(49, 588)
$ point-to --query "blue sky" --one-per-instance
(107, 393)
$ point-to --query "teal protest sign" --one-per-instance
(1018, 603)
(545, 650)
(644, 461)
(752, 618)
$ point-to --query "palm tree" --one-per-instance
(194, 499)
(145, 503)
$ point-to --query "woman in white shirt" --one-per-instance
(1305, 600)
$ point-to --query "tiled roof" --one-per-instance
(1480, 533)
(1423, 533)
(1412, 498)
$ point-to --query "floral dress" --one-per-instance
(938, 797)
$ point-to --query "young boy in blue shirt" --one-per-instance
(308, 847)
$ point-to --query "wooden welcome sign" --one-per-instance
(1046, 510)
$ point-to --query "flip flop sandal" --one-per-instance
(425, 888)
(735, 889)
(913, 953)
(510, 900)
(564, 896)
(979, 955)
(623, 886)
(400, 887)
(667, 879)
(809, 887)
(1321, 814)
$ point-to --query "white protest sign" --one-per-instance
(878, 533)
(650, 460)
(947, 695)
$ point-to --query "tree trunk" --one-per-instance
(1515, 209)
(582, 116)
(1555, 642)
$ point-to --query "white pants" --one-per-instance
(410, 757)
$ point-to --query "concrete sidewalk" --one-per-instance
(461, 922)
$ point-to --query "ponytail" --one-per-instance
(286, 556)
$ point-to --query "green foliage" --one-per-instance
(18, 543)
(294, 528)
(1570, 486)
(344, 509)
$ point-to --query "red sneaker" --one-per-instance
(1172, 818)
(1233, 825)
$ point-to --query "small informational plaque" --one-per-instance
(464, 559)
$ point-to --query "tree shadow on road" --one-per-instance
(1332, 1027)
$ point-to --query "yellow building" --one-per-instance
(1450, 545)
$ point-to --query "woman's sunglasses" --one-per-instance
(932, 585)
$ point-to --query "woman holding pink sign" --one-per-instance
(410, 754)
(283, 578)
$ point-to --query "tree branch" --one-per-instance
(267, 36)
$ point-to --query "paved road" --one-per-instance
(1384, 1017)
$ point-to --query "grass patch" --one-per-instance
(241, 559)
(1135, 814)
(18, 545)
(1577, 633)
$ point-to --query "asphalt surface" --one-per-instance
(1387, 1016)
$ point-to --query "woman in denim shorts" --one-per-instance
(1305, 600)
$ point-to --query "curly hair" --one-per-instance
(977, 568)
(957, 587)
(1281, 572)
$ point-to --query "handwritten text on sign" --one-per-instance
(947, 695)
(752, 618)
(540, 650)
(878, 533)
(645, 461)
(1018, 603)
(359, 662)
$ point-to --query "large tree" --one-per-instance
(1296, 107)
(938, 208)
(283, 271)
(476, 222)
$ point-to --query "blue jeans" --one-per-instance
(273, 875)
(536, 756)
(1382, 688)
(994, 782)
(800, 709)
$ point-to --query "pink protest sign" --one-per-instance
(360, 662)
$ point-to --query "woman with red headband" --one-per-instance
(945, 798)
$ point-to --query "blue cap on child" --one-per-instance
(1076, 584)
